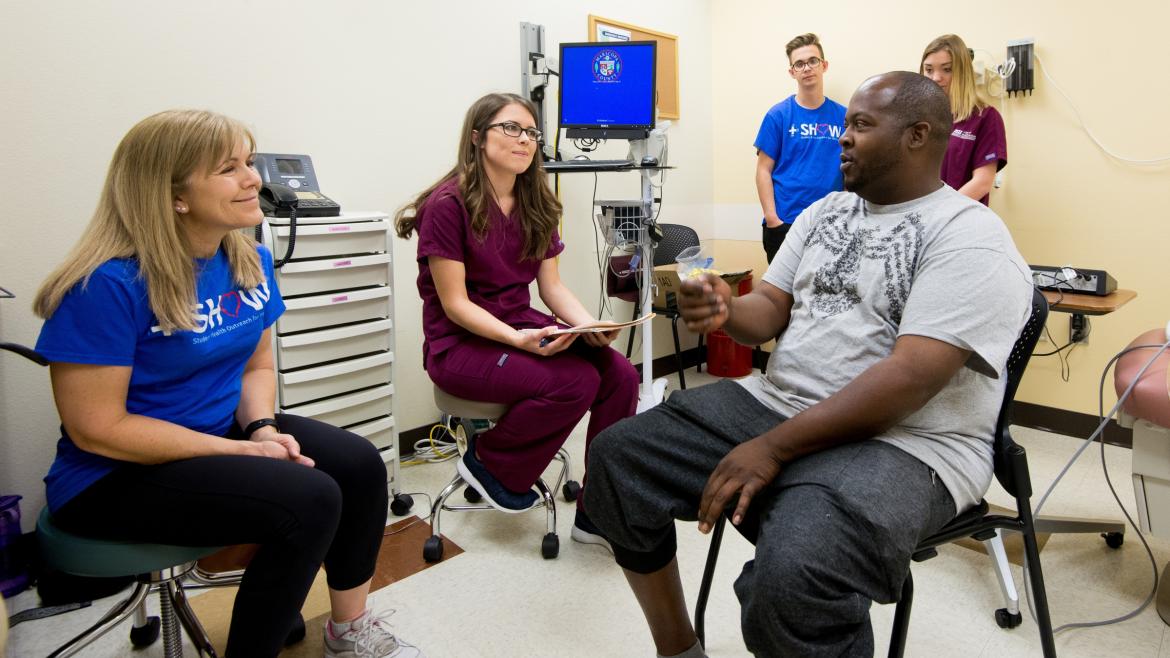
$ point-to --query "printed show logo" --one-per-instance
(607, 66)
(230, 304)
(816, 131)
(211, 312)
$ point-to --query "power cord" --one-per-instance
(587, 144)
(1081, 121)
(417, 519)
(1099, 434)
(439, 446)
(1061, 282)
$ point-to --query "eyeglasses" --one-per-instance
(513, 129)
(810, 63)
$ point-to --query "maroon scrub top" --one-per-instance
(498, 276)
(975, 141)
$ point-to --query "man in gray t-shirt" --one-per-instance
(895, 305)
(862, 275)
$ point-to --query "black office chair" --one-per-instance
(675, 238)
(1011, 469)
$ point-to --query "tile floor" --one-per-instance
(501, 599)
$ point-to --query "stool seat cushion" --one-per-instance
(99, 558)
(468, 408)
(1150, 399)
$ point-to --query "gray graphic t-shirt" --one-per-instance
(861, 275)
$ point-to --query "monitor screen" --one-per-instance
(607, 89)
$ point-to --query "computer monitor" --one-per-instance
(607, 89)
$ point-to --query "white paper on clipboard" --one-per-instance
(611, 33)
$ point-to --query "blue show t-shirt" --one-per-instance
(804, 144)
(190, 378)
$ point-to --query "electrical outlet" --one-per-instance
(1078, 329)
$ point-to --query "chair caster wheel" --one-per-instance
(433, 549)
(571, 490)
(296, 633)
(144, 636)
(471, 494)
(1113, 539)
(551, 546)
(401, 504)
(1006, 619)
(464, 433)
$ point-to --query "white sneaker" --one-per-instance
(368, 637)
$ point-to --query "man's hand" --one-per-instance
(747, 469)
(772, 221)
(705, 302)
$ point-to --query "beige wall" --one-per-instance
(1063, 199)
(374, 91)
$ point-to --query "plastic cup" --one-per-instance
(691, 259)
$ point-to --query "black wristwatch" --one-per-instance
(257, 424)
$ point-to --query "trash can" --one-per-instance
(725, 357)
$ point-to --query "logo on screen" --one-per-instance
(607, 66)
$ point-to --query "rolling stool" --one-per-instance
(153, 565)
(468, 412)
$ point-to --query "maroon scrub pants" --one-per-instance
(546, 398)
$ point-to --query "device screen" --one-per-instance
(288, 166)
(607, 84)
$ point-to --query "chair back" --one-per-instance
(1010, 466)
(675, 238)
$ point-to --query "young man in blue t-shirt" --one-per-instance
(797, 154)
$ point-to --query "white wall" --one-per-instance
(374, 91)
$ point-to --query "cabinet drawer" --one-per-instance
(379, 432)
(321, 311)
(350, 409)
(325, 240)
(331, 344)
(319, 275)
(336, 378)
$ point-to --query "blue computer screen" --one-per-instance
(607, 84)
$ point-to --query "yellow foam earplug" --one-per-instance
(700, 271)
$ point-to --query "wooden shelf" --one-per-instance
(1067, 302)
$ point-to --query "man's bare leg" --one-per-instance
(661, 596)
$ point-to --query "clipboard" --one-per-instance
(602, 326)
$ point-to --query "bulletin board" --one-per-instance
(666, 71)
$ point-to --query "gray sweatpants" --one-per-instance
(833, 532)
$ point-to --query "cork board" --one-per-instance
(666, 71)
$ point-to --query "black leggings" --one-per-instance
(302, 517)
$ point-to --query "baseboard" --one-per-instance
(1025, 414)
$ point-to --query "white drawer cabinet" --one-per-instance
(348, 341)
(328, 240)
(334, 344)
(318, 275)
(328, 380)
(335, 308)
(352, 408)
